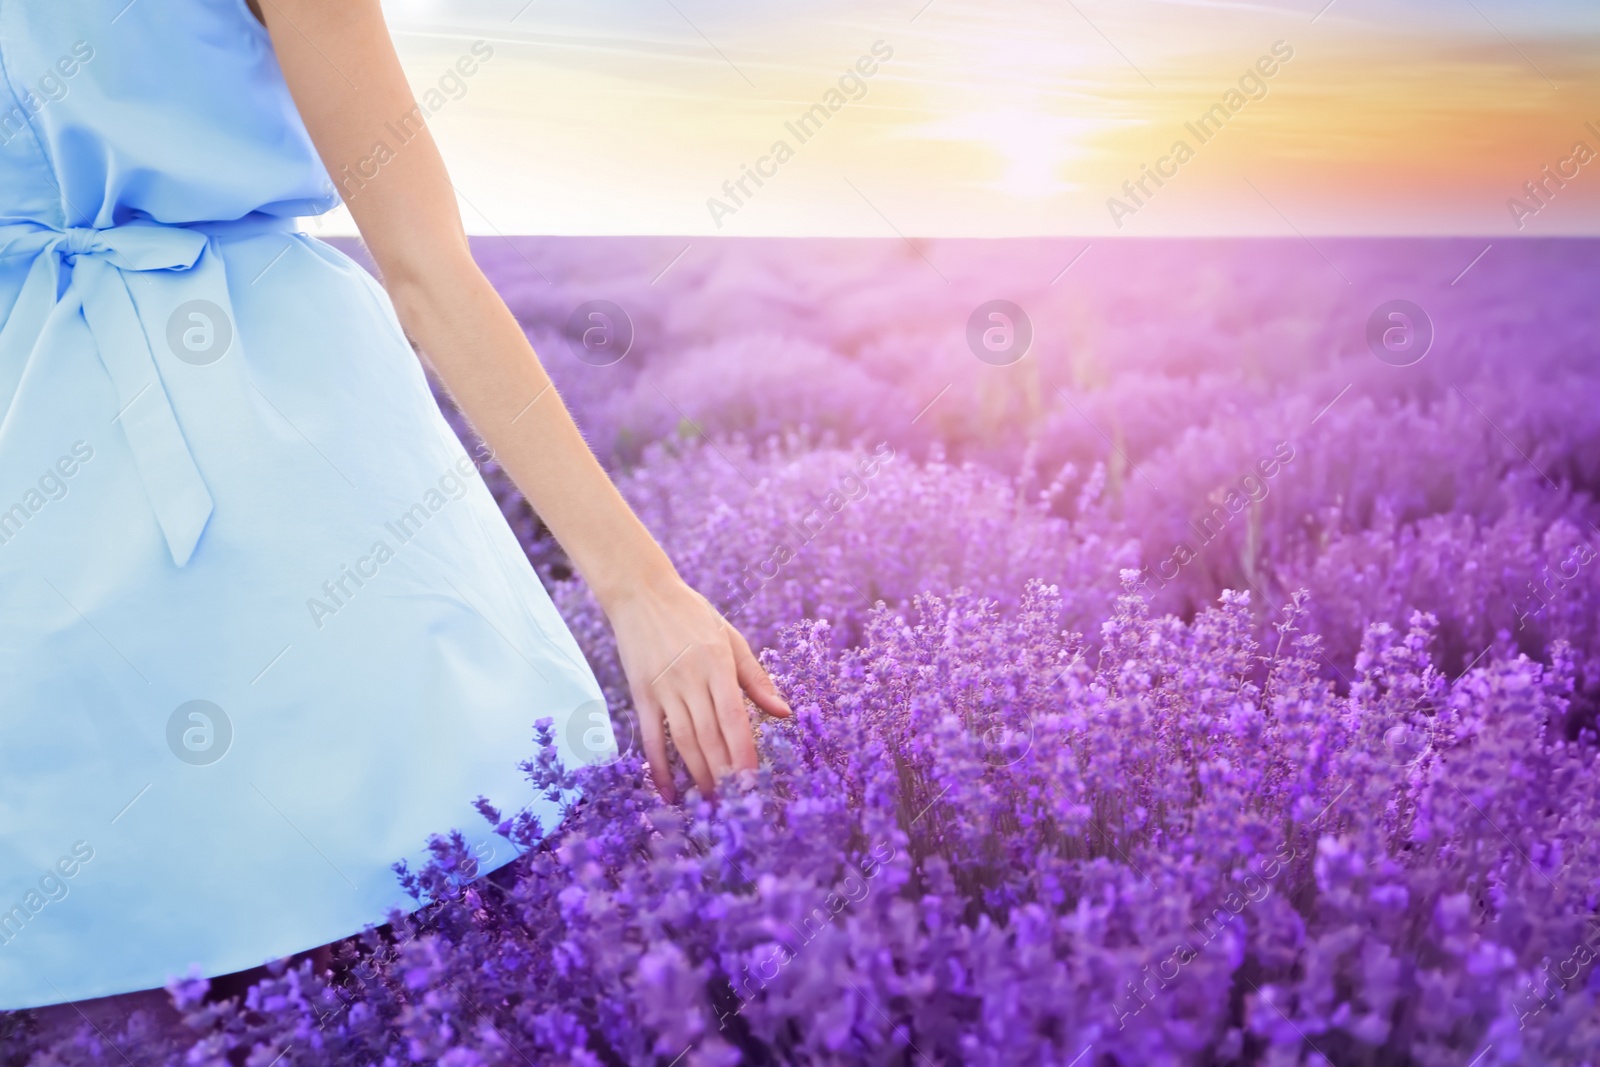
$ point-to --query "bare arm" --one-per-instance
(685, 664)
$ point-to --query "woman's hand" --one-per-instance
(684, 663)
(686, 666)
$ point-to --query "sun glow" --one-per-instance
(1031, 123)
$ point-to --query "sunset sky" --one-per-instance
(628, 116)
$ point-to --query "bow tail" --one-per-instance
(19, 335)
(177, 492)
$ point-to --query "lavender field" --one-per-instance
(1207, 684)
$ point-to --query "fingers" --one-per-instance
(700, 699)
(679, 718)
(655, 744)
(708, 727)
(733, 719)
(753, 678)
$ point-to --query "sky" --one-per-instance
(1027, 117)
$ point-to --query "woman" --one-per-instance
(263, 630)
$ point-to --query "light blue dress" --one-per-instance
(262, 628)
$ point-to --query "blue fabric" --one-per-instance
(263, 630)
